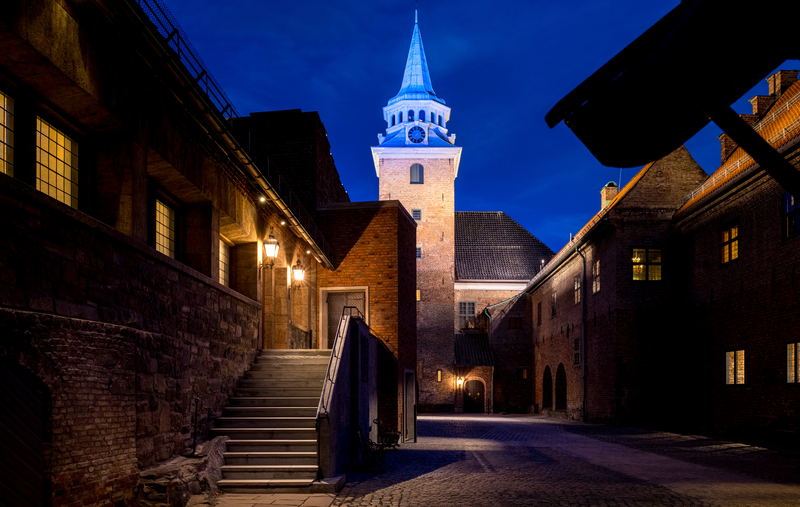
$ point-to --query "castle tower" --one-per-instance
(417, 162)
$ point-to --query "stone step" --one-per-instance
(266, 433)
(266, 446)
(281, 383)
(270, 411)
(294, 352)
(293, 371)
(265, 485)
(270, 458)
(278, 391)
(266, 422)
(262, 472)
(316, 363)
(274, 401)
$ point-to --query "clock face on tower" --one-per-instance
(416, 135)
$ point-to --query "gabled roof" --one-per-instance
(490, 245)
(779, 127)
(416, 78)
(472, 349)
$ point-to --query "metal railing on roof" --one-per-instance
(176, 39)
(743, 161)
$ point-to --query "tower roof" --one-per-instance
(416, 78)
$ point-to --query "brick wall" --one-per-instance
(435, 270)
(374, 247)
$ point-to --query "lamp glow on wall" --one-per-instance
(271, 248)
(298, 271)
(460, 382)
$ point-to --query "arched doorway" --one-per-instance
(561, 388)
(24, 403)
(474, 394)
(547, 388)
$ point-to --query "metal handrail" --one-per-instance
(333, 362)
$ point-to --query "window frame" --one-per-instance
(596, 276)
(646, 264)
(576, 286)
(466, 314)
(7, 134)
(419, 295)
(419, 252)
(515, 323)
(729, 244)
(790, 217)
(416, 214)
(734, 371)
(224, 275)
(793, 368)
(419, 177)
(60, 128)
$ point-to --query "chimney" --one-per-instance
(780, 81)
(760, 104)
(727, 144)
(607, 193)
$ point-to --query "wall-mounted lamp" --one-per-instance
(299, 272)
(460, 382)
(271, 248)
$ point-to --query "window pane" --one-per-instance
(734, 232)
(224, 262)
(639, 255)
(725, 236)
(638, 272)
(165, 229)
(730, 366)
(791, 370)
(654, 255)
(654, 272)
(740, 366)
(6, 134)
(57, 167)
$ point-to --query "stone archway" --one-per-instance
(474, 397)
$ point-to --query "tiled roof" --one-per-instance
(472, 349)
(490, 245)
(780, 126)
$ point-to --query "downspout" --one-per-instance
(583, 329)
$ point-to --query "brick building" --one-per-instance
(459, 269)
(132, 270)
(676, 304)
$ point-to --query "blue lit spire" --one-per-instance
(416, 78)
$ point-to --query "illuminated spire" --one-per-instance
(416, 78)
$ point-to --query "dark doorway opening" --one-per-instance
(561, 388)
(473, 397)
(547, 388)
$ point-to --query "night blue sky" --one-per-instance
(500, 66)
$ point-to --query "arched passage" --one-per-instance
(474, 397)
(561, 388)
(547, 388)
(24, 403)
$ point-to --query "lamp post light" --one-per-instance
(299, 272)
(271, 248)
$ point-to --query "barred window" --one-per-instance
(596, 277)
(646, 263)
(56, 164)
(734, 365)
(416, 214)
(6, 134)
(419, 252)
(165, 229)
(466, 314)
(792, 366)
(224, 264)
(730, 244)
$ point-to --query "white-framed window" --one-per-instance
(56, 164)
(224, 264)
(165, 229)
(792, 363)
(466, 314)
(596, 277)
(734, 366)
(576, 285)
(6, 134)
(417, 174)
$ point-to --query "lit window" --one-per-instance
(553, 302)
(224, 264)
(417, 174)
(416, 214)
(56, 164)
(419, 252)
(6, 134)
(438, 375)
(466, 314)
(791, 216)
(411, 115)
(596, 277)
(522, 373)
(734, 360)
(422, 116)
(165, 229)
(419, 295)
(515, 323)
(646, 263)
(730, 244)
(792, 366)
(576, 284)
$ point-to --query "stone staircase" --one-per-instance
(270, 421)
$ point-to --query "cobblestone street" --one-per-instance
(478, 460)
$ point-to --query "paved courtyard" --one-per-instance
(479, 460)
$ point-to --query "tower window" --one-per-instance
(416, 214)
(422, 116)
(394, 121)
(440, 120)
(410, 115)
(417, 174)
(419, 252)
(401, 117)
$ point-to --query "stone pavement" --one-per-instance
(478, 460)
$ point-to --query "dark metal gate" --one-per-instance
(336, 303)
(473, 397)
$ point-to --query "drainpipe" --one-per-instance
(583, 328)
